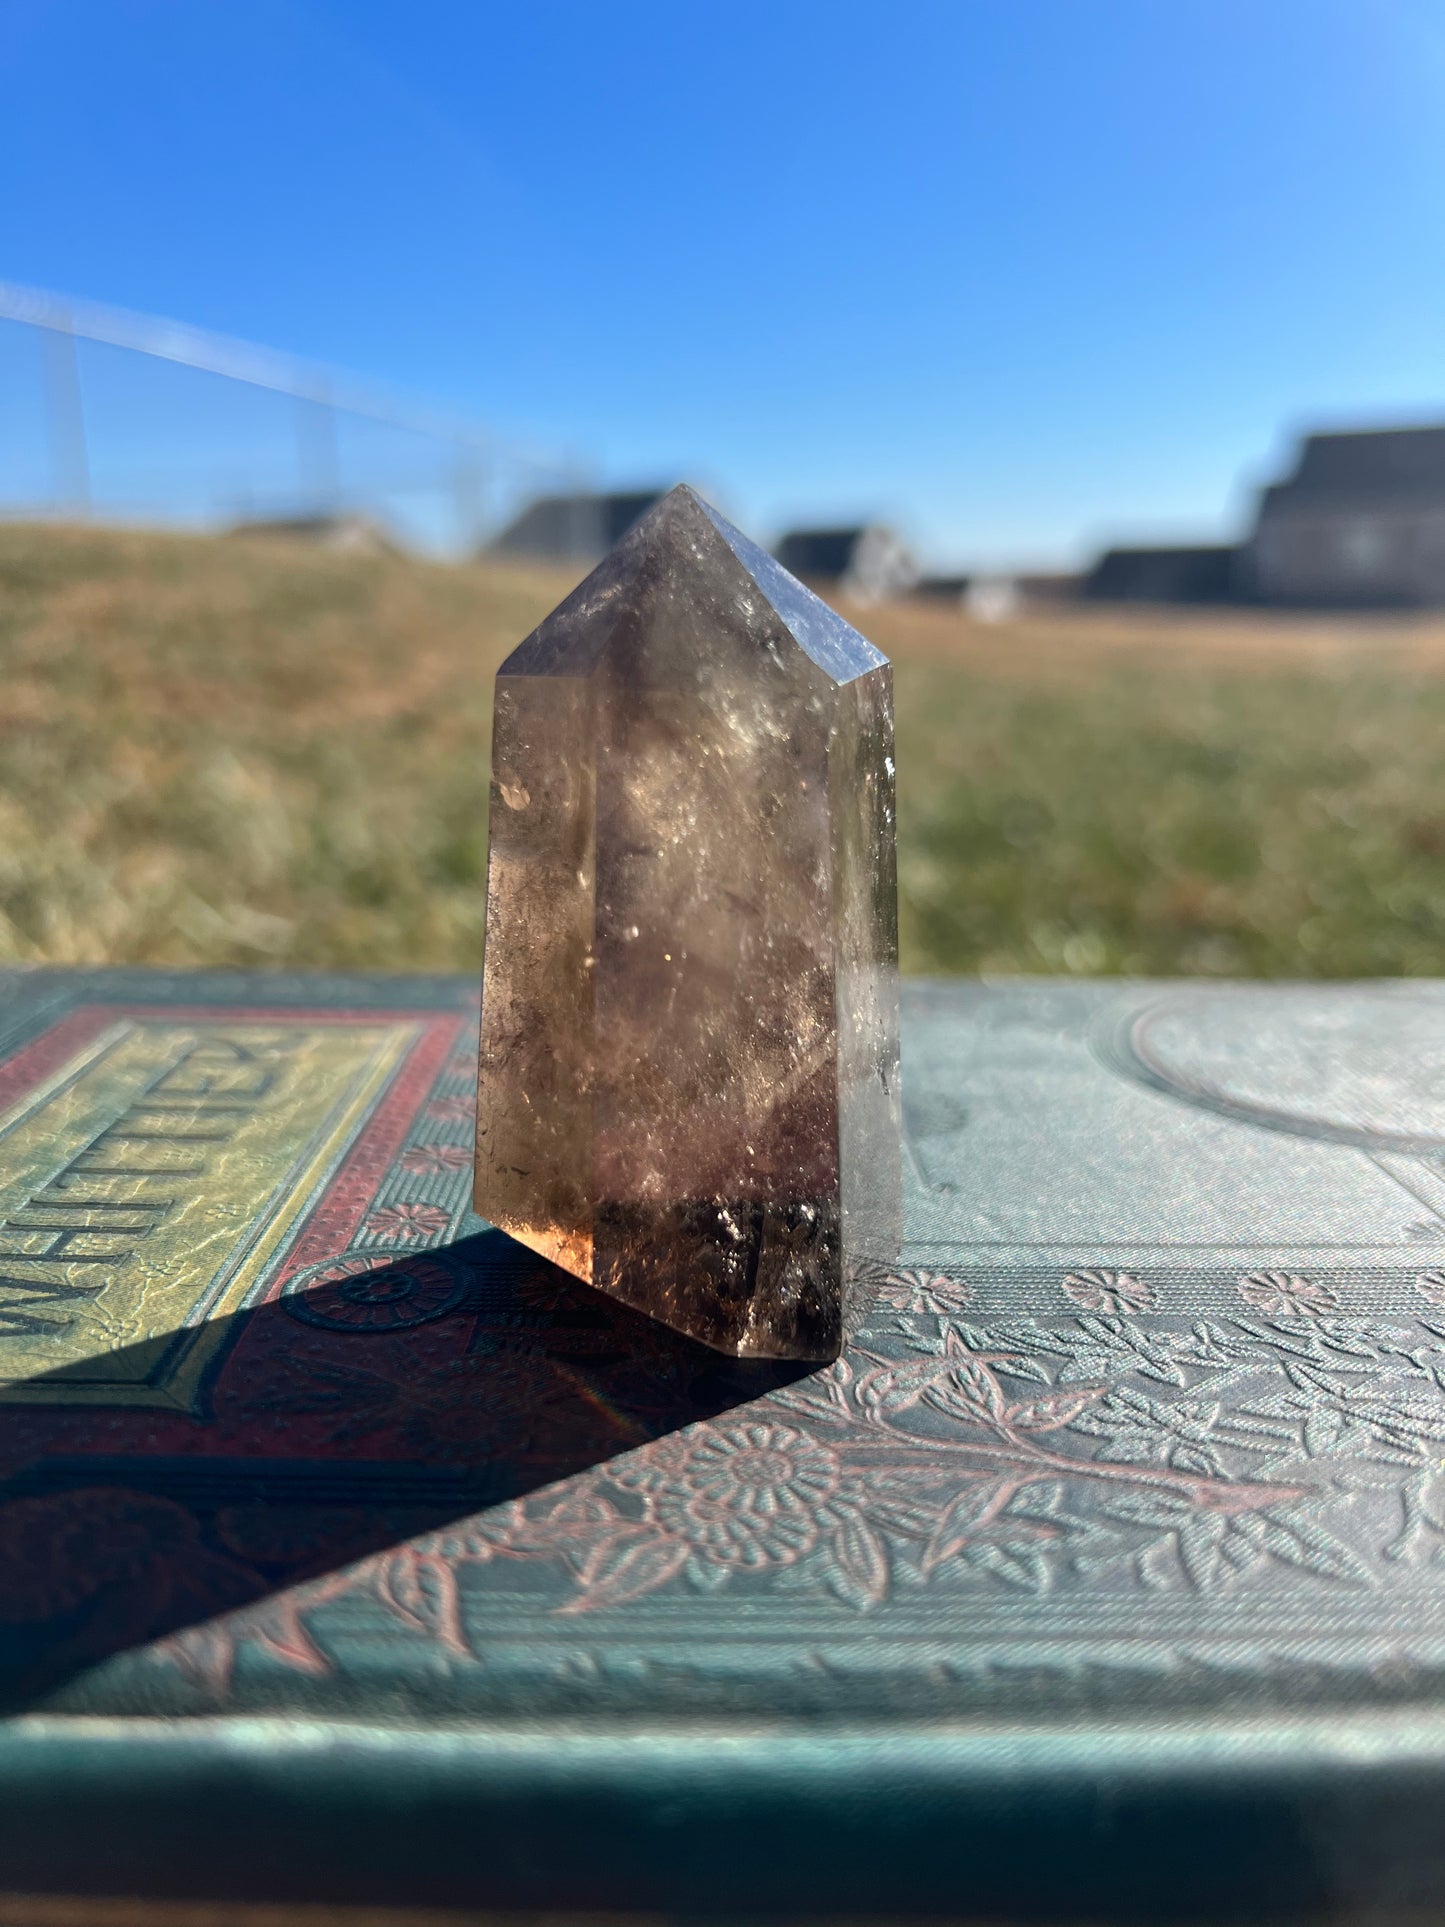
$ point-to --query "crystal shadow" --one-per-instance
(336, 1422)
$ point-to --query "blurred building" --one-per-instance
(573, 528)
(943, 588)
(870, 562)
(987, 598)
(350, 533)
(1360, 522)
(1207, 573)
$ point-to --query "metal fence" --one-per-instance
(132, 417)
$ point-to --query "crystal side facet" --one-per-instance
(689, 1056)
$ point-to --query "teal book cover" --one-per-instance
(351, 1553)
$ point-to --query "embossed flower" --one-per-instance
(548, 1288)
(1115, 1292)
(747, 1495)
(452, 1110)
(373, 1291)
(1431, 1287)
(924, 1291)
(1285, 1294)
(427, 1159)
(407, 1223)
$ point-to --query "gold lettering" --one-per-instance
(147, 1187)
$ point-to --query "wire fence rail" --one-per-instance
(466, 478)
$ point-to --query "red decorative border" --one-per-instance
(52, 1049)
(333, 1225)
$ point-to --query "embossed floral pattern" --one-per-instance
(1102, 1449)
(373, 1291)
(547, 1288)
(452, 1110)
(744, 1495)
(408, 1223)
(430, 1159)
(1285, 1294)
(924, 1291)
(1109, 1291)
(1431, 1287)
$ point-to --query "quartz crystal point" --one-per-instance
(689, 1058)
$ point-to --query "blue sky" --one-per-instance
(1022, 274)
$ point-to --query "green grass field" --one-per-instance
(227, 752)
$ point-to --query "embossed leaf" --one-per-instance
(474, 1541)
(828, 1395)
(1309, 1378)
(1300, 1542)
(574, 1526)
(1148, 1508)
(913, 1521)
(826, 1407)
(979, 1502)
(1204, 1344)
(1016, 1365)
(1127, 1348)
(1337, 1337)
(893, 1388)
(1027, 1570)
(1238, 1547)
(422, 1591)
(708, 1575)
(1323, 1430)
(1052, 1413)
(205, 1654)
(970, 1391)
(861, 1569)
(1256, 1418)
(1420, 1499)
(280, 1631)
(1201, 1549)
(625, 1567)
(1043, 1499)
(1408, 1417)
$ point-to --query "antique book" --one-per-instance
(350, 1553)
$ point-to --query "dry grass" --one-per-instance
(1162, 793)
(224, 751)
(237, 752)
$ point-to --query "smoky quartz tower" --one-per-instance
(689, 1061)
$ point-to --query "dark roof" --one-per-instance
(824, 554)
(1196, 574)
(1374, 463)
(575, 527)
